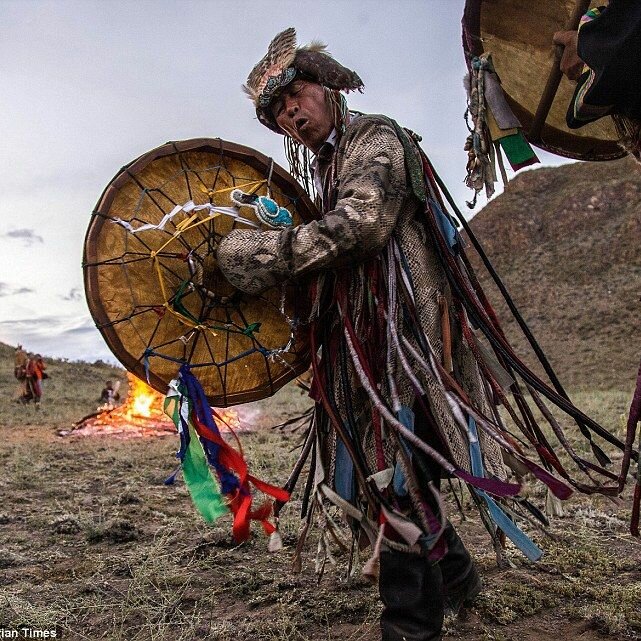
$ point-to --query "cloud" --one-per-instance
(60, 336)
(7, 290)
(74, 294)
(29, 236)
(81, 331)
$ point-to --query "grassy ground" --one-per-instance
(92, 541)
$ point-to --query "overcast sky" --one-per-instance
(88, 86)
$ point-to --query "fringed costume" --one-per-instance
(410, 368)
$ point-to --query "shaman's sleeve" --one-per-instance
(371, 190)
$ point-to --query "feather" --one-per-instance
(251, 93)
(315, 45)
(280, 54)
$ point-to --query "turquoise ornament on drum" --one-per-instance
(268, 211)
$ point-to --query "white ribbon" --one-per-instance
(183, 404)
(188, 207)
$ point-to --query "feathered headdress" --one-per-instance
(283, 62)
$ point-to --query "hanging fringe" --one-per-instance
(634, 417)
(387, 365)
(495, 128)
(502, 520)
(298, 157)
(372, 567)
(629, 132)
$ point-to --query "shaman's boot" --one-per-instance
(411, 589)
(461, 581)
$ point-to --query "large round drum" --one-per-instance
(518, 34)
(153, 285)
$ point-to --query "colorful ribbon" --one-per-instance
(203, 449)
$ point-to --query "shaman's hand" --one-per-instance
(571, 64)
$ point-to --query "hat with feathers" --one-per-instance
(284, 62)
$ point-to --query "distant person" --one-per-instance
(604, 57)
(110, 395)
(20, 368)
(35, 373)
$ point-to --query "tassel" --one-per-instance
(202, 487)
(372, 567)
(202, 450)
(553, 505)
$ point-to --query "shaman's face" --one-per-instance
(302, 112)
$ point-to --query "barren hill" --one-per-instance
(567, 243)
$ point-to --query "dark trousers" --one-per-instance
(413, 589)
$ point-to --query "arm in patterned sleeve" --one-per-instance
(372, 188)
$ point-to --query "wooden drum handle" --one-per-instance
(554, 79)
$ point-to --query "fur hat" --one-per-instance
(284, 62)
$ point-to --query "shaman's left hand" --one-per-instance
(571, 64)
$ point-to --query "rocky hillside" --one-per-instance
(567, 242)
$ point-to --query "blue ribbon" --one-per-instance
(171, 479)
(344, 473)
(406, 416)
(502, 520)
(228, 481)
(445, 224)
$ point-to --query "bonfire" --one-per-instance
(141, 414)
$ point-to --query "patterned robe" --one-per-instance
(349, 262)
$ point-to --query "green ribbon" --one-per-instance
(204, 490)
(201, 485)
(250, 329)
(517, 149)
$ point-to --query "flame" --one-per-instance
(142, 401)
(142, 414)
(227, 419)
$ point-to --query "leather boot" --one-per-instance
(461, 581)
(411, 589)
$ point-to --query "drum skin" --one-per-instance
(518, 34)
(156, 294)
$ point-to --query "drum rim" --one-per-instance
(249, 156)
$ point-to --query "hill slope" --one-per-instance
(567, 243)
(72, 390)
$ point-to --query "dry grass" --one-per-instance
(93, 542)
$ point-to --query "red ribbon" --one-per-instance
(240, 505)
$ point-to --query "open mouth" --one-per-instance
(301, 123)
